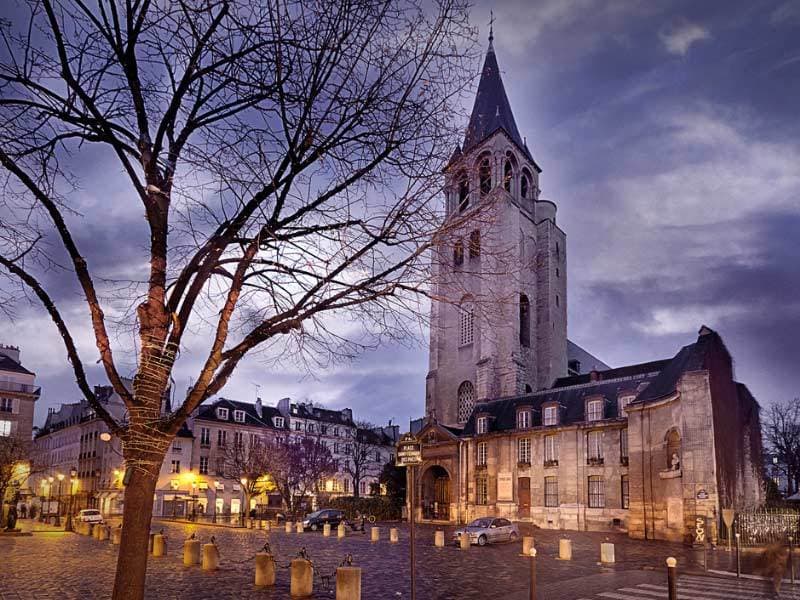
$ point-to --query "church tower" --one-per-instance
(499, 314)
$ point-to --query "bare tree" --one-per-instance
(782, 439)
(16, 468)
(296, 466)
(287, 158)
(360, 450)
(248, 465)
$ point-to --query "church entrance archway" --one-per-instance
(435, 497)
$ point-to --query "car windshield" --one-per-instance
(481, 523)
(91, 512)
(314, 515)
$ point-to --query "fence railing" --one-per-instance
(765, 527)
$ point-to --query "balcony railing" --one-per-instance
(24, 388)
(553, 462)
(595, 461)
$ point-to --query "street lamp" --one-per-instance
(245, 508)
(49, 497)
(73, 474)
(58, 512)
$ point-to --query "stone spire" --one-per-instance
(492, 110)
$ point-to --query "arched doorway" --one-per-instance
(435, 497)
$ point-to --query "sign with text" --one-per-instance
(505, 487)
(409, 451)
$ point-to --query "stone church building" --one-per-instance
(515, 425)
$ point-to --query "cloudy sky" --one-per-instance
(668, 137)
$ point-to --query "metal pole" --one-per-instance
(533, 574)
(672, 589)
(738, 558)
(413, 536)
(791, 558)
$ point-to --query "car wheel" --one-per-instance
(482, 540)
(512, 537)
(314, 527)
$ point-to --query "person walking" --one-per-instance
(773, 566)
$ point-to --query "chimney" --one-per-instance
(259, 407)
(347, 414)
(283, 406)
(595, 375)
(11, 352)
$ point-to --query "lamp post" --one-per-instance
(58, 512)
(50, 480)
(42, 483)
(245, 509)
(73, 474)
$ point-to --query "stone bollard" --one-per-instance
(102, 533)
(326, 530)
(394, 535)
(267, 525)
(210, 557)
(159, 545)
(348, 583)
(288, 527)
(191, 553)
(527, 544)
(607, 553)
(564, 549)
(92, 530)
(464, 542)
(375, 534)
(341, 531)
(438, 538)
(265, 570)
(302, 583)
(116, 536)
(299, 526)
(150, 542)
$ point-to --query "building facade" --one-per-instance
(515, 426)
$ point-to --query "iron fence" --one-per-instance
(765, 527)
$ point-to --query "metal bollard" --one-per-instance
(533, 574)
(672, 590)
(375, 534)
(191, 552)
(438, 538)
(348, 583)
(302, 582)
(210, 557)
(265, 569)
(738, 558)
(564, 549)
(394, 535)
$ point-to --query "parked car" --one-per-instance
(487, 530)
(90, 515)
(316, 520)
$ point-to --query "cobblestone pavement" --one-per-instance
(53, 564)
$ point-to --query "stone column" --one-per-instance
(348, 583)
(191, 553)
(302, 582)
(265, 569)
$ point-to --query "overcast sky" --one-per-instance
(668, 136)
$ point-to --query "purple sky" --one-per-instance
(668, 137)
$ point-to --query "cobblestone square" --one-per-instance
(51, 564)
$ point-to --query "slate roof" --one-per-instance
(492, 110)
(208, 412)
(9, 364)
(651, 381)
(308, 411)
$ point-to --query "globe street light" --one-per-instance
(58, 512)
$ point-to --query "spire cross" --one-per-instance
(491, 25)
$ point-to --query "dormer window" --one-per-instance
(278, 422)
(482, 424)
(524, 419)
(624, 401)
(594, 410)
(222, 414)
(550, 416)
(238, 416)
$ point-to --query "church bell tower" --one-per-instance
(499, 315)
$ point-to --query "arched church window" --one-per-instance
(485, 176)
(467, 321)
(463, 192)
(524, 321)
(528, 388)
(466, 401)
(508, 175)
(673, 450)
(524, 184)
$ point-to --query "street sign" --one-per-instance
(702, 495)
(409, 451)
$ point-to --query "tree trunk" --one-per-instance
(136, 516)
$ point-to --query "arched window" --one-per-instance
(524, 321)
(524, 184)
(458, 253)
(508, 175)
(673, 440)
(485, 176)
(466, 401)
(528, 389)
(463, 192)
(466, 321)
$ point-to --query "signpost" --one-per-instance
(409, 454)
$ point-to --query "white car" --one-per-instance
(90, 515)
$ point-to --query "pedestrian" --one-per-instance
(363, 521)
(773, 566)
(23, 511)
(33, 511)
